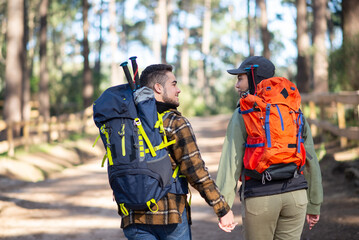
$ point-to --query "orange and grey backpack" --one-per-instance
(274, 122)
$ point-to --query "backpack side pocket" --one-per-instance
(253, 154)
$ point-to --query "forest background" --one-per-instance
(58, 56)
(61, 55)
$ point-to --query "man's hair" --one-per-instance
(153, 74)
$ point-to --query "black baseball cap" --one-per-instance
(265, 67)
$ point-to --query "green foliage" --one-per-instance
(321, 151)
(228, 38)
(340, 78)
(229, 98)
(34, 84)
(76, 136)
(191, 103)
(135, 32)
(335, 7)
(98, 78)
(2, 81)
(66, 95)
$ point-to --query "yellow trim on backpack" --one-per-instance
(122, 134)
(104, 159)
(175, 172)
(144, 135)
(162, 145)
(97, 138)
(159, 124)
(123, 209)
(190, 196)
(149, 205)
(108, 144)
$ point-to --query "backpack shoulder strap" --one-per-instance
(159, 124)
(166, 114)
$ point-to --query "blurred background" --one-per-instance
(57, 57)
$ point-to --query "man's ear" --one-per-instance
(158, 88)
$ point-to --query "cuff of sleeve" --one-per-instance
(223, 210)
(313, 209)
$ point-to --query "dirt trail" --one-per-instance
(77, 203)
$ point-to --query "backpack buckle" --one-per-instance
(137, 122)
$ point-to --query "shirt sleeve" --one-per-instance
(312, 173)
(186, 154)
(231, 162)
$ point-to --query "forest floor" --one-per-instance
(76, 202)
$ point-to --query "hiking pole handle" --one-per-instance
(128, 75)
(135, 71)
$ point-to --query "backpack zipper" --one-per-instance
(123, 140)
(280, 116)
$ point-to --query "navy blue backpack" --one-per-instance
(139, 166)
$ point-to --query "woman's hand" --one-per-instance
(312, 220)
(226, 223)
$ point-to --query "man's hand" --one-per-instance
(226, 223)
(312, 220)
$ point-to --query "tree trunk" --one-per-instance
(26, 108)
(123, 41)
(115, 71)
(2, 40)
(249, 29)
(320, 63)
(206, 38)
(264, 30)
(87, 91)
(303, 45)
(44, 98)
(206, 27)
(97, 67)
(185, 49)
(156, 38)
(13, 69)
(350, 17)
(206, 42)
(163, 20)
(185, 57)
(32, 36)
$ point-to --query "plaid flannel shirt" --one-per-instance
(186, 154)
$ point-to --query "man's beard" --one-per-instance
(166, 99)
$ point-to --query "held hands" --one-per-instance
(226, 223)
(312, 220)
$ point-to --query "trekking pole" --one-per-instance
(128, 75)
(135, 71)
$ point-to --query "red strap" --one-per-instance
(134, 76)
(254, 82)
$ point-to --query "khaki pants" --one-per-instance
(278, 217)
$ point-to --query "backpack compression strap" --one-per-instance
(159, 124)
(108, 144)
(300, 124)
(105, 156)
(145, 137)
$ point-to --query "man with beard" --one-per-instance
(173, 218)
